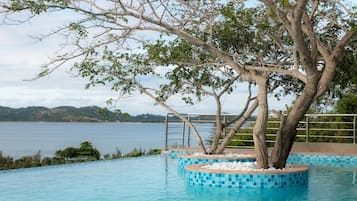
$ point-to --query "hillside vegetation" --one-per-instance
(72, 114)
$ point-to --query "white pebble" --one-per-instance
(244, 166)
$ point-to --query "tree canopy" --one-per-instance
(197, 49)
(347, 105)
(86, 151)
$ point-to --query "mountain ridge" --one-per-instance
(72, 114)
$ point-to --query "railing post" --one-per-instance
(354, 129)
(307, 128)
(189, 134)
(183, 134)
(167, 132)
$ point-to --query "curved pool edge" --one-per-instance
(296, 175)
(323, 159)
(301, 158)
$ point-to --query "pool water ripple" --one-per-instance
(156, 178)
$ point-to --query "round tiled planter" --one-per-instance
(191, 159)
(294, 176)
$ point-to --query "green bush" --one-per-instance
(154, 152)
(86, 152)
(6, 162)
(134, 153)
(116, 154)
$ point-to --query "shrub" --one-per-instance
(154, 152)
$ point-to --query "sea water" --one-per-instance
(157, 178)
(26, 138)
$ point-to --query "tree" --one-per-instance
(86, 151)
(104, 112)
(69, 153)
(294, 45)
(307, 22)
(345, 80)
(347, 105)
(200, 76)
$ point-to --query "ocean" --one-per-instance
(27, 138)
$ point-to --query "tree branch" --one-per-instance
(170, 109)
(314, 8)
(237, 126)
(330, 69)
(292, 73)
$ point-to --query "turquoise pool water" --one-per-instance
(157, 178)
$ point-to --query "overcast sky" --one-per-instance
(21, 57)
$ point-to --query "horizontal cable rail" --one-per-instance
(334, 128)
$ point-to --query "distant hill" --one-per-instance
(63, 113)
(72, 114)
(82, 114)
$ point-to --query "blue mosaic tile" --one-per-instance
(247, 181)
(323, 160)
(174, 153)
(303, 159)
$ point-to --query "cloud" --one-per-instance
(22, 56)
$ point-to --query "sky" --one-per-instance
(21, 56)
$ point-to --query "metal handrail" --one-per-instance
(307, 128)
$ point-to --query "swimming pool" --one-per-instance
(157, 178)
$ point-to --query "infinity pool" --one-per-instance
(157, 178)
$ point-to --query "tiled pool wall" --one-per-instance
(247, 180)
(185, 161)
(294, 158)
(323, 160)
(174, 153)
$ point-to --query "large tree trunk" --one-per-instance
(259, 130)
(282, 147)
(287, 131)
(219, 128)
(216, 137)
(278, 141)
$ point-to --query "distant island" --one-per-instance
(73, 114)
(87, 114)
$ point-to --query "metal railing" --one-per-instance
(336, 128)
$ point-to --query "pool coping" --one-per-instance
(291, 169)
(293, 151)
(218, 157)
